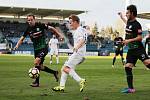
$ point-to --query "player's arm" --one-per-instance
(122, 17)
(56, 32)
(19, 42)
(145, 43)
(49, 44)
(115, 46)
(57, 44)
(81, 42)
(138, 38)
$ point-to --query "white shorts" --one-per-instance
(54, 51)
(74, 60)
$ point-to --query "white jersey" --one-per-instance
(53, 43)
(80, 33)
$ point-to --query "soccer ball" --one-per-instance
(33, 73)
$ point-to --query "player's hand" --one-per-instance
(126, 41)
(61, 38)
(75, 49)
(15, 48)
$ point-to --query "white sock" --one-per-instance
(57, 60)
(50, 59)
(50, 62)
(63, 78)
(75, 76)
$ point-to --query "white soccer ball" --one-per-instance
(33, 73)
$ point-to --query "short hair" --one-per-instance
(31, 15)
(74, 18)
(132, 9)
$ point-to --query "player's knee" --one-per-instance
(66, 69)
(147, 63)
(130, 65)
(37, 61)
(128, 71)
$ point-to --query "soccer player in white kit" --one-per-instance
(79, 50)
(54, 46)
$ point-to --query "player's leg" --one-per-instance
(144, 58)
(146, 62)
(57, 57)
(37, 65)
(63, 80)
(122, 59)
(114, 59)
(68, 68)
(51, 56)
(49, 70)
(51, 59)
(75, 76)
(131, 61)
(42, 55)
(74, 60)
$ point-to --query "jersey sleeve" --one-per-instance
(115, 42)
(25, 33)
(50, 41)
(45, 26)
(139, 29)
(82, 35)
(57, 41)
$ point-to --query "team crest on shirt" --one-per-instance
(37, 29)
(130, 26)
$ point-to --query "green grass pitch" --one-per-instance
(103, 82)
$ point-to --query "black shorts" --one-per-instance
(134, 54)
(41, 54)
(118, 51)
(148, 53)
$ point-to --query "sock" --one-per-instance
(37, 80)
(148, 66)
(57, 60)
(51, 59)
(48, 70)
(122, 60)
(63, 78)
(75, 76)
(38, 67)
(129, 77)
(114, 59)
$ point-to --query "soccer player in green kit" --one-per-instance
(118, 45)
(136, 49)
(37, 35)
(147, 43)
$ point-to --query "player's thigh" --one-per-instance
(131, 58)
(121, 52)
(37, 61)
(117, 52)
(41, 55)
(130, 65)
(143, 56)
(52, 51)
(73, 60)
(146, 62)
(56, 52)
